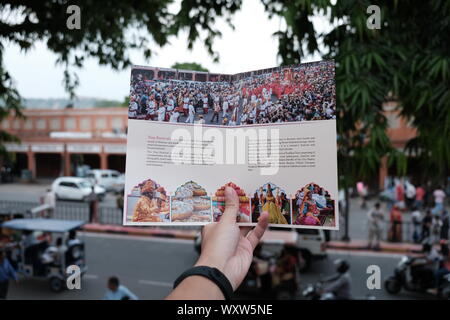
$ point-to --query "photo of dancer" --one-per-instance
(296, 93)
(148, 202)
(271, 198)
(312, 206)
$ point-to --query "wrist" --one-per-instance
(210, 262)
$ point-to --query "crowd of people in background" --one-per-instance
(304, 92)
(424, 205)
(426, 209)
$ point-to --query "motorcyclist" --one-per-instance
(340, 284)
(423, 270)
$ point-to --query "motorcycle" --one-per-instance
(263, 286)
(315, 292)
(403, 279)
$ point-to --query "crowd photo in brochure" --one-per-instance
(297, 93)
(296, 101)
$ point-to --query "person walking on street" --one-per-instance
(426, 226)
(420, 195)
(375, 218)
(7, 273)
(93, 205)
(445, 225)
(439, 196)
(416, 219)
(395, 232)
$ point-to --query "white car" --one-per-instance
(75, 188)
(111, 180)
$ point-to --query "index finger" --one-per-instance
(231, 206)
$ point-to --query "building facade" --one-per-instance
(55, 142)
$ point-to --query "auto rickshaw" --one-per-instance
(32, 239)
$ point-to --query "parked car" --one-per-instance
(111, 180)
(74, 188)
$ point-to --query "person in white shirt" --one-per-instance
(439, 196)
(161, 113)
(374, 219)
(132, 111)
(174, 116)
(190, 118)
(200, 120)
(116, 291)
(225, 108)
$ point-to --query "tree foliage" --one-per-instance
(194, 66)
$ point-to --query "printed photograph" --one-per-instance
(190, 203)
(284, 94)
(274, 200)
(313, 206)
(148, 202)
(219, 203)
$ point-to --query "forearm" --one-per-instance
(196, 288)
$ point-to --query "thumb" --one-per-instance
(231, 206)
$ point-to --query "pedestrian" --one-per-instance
(416, 219)
(7, 273)
(410, 194)
(117, 291)
(375, 218)
(190, 118)
(420, 195)
(216, 113)
(400, 195)
(395, 232)
(362, 192)
(435, 229)
(445, 219)
(50, 200)
(426, 226)
(439, 196)
(93, 205)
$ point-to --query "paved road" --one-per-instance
(148, 266)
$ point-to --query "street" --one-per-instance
(148, 267)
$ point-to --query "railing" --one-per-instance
(15, 207)
(110, 215)
(406, 234)
(71, 211)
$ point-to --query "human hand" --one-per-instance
(228, 247)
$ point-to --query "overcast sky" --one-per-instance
(249, 47)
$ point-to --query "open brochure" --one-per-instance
(269, 134)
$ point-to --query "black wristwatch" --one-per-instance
(213, 274)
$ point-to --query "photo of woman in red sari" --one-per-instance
(312, 206)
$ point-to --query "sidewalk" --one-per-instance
(355, 245)
(141, 231)
(385, 247)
